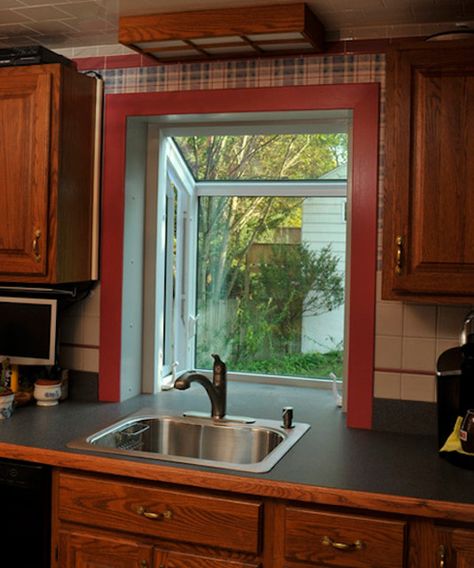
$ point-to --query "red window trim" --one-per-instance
(363, 100)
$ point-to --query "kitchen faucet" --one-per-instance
(217, 389)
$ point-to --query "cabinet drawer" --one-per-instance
(163, 513)
(182, 560)
(342, 540)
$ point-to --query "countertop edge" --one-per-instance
(253, 486)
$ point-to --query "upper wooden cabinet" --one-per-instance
(429, 174)
(48, 161)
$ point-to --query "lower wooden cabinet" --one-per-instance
(350, 541)
(104, 522)
(164, 559)
(456, 548)
(82, 549)
(110, 522)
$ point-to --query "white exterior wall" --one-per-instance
(324, 223)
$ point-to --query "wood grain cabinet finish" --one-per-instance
(150, 511)
(348, 541)
(47, 159)
(429, 174)
(102, 522)
(456, 548)
(166, 559)
(85, 549)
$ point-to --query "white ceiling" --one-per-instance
(78, 23)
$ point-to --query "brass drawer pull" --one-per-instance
(356, 545)
(166, 515)
(36, 247)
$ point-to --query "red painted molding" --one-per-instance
(88, 63)
(112, 251)
(363, 99)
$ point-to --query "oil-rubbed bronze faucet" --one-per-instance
(217, 389)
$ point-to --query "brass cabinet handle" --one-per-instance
(143, 564)
(166, 515)
(442, 556)
(399, 255)
(36, 247)
(356, 545)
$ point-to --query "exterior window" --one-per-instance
(270, 284)
(254, 255)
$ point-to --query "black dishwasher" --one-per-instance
(26, 512)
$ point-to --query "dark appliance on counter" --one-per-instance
(28, 330)
(26, 512)
(31, 55)
(455, 396)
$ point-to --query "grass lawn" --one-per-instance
(308, 365)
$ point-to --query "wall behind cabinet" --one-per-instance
(409, 337)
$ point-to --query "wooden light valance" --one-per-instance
(229, 32)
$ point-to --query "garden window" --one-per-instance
(251, 243)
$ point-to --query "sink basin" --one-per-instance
(227, 443)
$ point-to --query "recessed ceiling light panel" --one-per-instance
(258, 30)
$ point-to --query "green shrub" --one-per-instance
(310, 365)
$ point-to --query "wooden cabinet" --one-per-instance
(103, 521)
(455, 548)
(83, 549)
(316, 538)
(429, 174)
(144, 525)
(167, 559)
(48, 174)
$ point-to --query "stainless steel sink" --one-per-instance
(225, 443)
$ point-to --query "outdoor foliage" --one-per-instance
(309, 365)
(257, 306)
(296, 282)
(263, 157)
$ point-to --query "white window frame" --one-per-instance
(166, 166)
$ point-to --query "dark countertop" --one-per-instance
(329, 455)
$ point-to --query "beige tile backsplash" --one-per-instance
(79, 334)
(408, 341)
(418, 353)
(418, 387)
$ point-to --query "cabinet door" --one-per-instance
(164, 559)
(25, 101)
(78, 549)
(429, 173)
(456, 549)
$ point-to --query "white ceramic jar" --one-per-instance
(47, 392)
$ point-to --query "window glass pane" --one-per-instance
(265, 157)
(270, 284)
(170, 275)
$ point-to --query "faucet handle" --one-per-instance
(287, 417)
(219, 370)
(217, 359)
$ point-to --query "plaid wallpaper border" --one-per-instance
(251, 73)
(317, 70)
